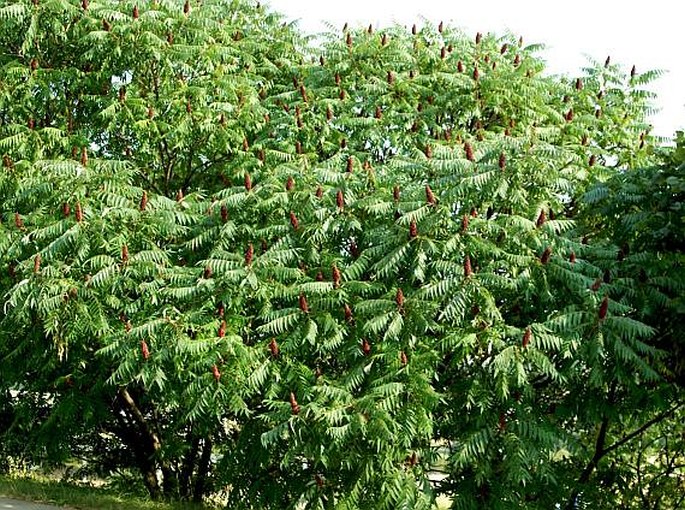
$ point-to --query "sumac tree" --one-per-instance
(319, 276)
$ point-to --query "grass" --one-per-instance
(41, 490)
(78, 497)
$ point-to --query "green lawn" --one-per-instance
(43, 490)
(78, 497)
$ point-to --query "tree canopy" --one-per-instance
(360, 271)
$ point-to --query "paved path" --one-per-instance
(15, 504)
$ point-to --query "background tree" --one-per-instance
(316, 275)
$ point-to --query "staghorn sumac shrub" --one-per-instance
(384, 328)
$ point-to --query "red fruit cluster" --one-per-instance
(350, 165)
(430, 197)
(544, 258)
(294, 221)
(413, 229)
(18, 222)
(66, 209)
(336, 276)
(304, 306)
(399, 299)
(340, 199)
(465, 223)
(348, 312)
(249, 254)
(569, 115)
(124, 254)
(603, 308)
(294, 406)
(396, 193)
(366, 347)
(84, 157)
(468, 271)
(224, 213)
(144, 349)
(526, 338)
(36, 263)
(273, 347)
(222, 329)
(542, 218)
(248, 182)
(572, 257)
(216, 373)
(143, 201)
(289, 184)
(502, 161)
(319, 192)
(403, 358)
(468, 149)
(502, 424)
(207, 274)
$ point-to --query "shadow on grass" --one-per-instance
(78, 497)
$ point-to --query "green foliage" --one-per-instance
(313, 277)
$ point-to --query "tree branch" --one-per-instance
(642, 429)
(137, 415)
(587, 472)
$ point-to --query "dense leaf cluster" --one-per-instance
(352, 277)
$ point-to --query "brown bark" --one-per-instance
(141, 439)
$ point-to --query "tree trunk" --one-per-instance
(203, 471)
(188, 467)
(141, 439)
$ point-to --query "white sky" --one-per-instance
(644, 33)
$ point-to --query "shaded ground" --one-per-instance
(15, 504)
